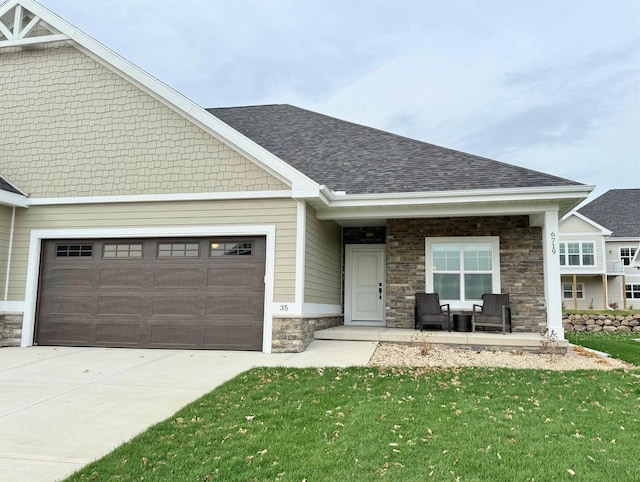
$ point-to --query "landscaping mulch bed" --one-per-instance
(434, 356)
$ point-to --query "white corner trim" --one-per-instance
(301, 229)
(38, 235)
(12, 307)
(203, 196)
(9, 253)
(302, 185)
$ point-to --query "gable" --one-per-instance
(73, 127)
(574, 224)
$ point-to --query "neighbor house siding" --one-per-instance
(599, 253)
(573, 224)
(322, 261)
(5, 232)
(593, 295)
(72, 127)
(281, 213)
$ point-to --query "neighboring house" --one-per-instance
(600, 253)
(134, 217)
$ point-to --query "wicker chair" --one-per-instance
(429, 311)
(494, 312)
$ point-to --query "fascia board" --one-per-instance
(13, 199)
(455, 197)
(434, 210)
(176, 101)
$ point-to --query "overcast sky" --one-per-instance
(549, 85)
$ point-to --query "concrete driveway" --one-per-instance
(62, 407)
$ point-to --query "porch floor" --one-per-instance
(478, 340)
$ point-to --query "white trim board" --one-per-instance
(16, 307)
(38, 235)
(138, 198)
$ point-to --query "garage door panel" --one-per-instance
(131, 293)
(121, 277)
(119, 305)
(72, 278)
(118, 334)
(178, 278)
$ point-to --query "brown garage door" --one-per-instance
(168, 293)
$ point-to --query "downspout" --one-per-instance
(6, 283)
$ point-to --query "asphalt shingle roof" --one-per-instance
(618, 210)
(5, 186)
(359, 160)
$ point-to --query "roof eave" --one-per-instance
(12, 199)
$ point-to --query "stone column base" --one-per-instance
(10, 329)
(293, 335)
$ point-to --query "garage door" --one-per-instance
(166, 293)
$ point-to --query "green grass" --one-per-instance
(601, 312)
(362, 424)
(618, 345)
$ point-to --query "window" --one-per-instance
(74, 250)
(633, 291)
(577, 254)
(567, 291)
(178, 250)
(125, 250)
(627, 254)
(236, 248)
(462, 269)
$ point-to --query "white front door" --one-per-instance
(364, 284)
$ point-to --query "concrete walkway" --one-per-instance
(62, 407)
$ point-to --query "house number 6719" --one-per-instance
(553, 242)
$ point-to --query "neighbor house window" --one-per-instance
(627, 254)
(577, 254)
(633, 291)
(462, 269)
(567, 291)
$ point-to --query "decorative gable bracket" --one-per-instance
(20, 27)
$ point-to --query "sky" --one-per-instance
(552, 86)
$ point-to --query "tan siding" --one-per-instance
(573, 224)
(593, 296)
(77, 129)
(281, 213)
(322, 261)
(5, 229)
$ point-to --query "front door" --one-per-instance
(364, 284)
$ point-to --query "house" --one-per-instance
(133, 217)
(599, 253)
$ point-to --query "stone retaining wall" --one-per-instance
(10, 330)
(610, 323)
(293, 335)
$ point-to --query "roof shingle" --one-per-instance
(618, 210)
(361, 160)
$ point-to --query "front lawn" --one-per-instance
(365, 424)
(618, 345)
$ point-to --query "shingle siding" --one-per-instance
(72, 127)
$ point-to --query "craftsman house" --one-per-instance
(132, 217)
(600, 253)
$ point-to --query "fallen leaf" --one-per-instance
(571, 472)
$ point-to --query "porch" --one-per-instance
(473, 341)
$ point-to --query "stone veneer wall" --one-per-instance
(610, 323)
(10, 330)
(521, 264)
(292, 335)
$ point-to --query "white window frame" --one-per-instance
(494, 241)
(579, 291)
(633, 288)
(581, 253)
(633, 250)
